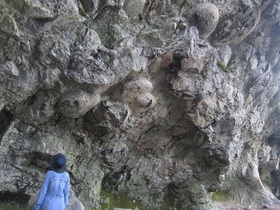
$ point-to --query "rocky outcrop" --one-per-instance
(171, 104)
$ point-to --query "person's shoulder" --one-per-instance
(65, 173)
(50, 173)
(55, 174)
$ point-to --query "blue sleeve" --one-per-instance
(66, 191)
(42, 192)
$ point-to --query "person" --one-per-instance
(54, 191)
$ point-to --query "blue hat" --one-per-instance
(58, 163)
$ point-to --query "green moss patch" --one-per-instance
(220, 196)
(15, 7)
(223, 66)
(20, 5)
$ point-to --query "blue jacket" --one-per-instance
(54, 192)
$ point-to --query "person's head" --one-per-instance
(58, 163)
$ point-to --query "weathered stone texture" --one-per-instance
(170, 102)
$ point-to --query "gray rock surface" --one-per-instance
(172, 103)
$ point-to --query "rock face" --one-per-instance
(174, 103)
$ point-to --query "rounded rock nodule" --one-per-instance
(207, 16)
(76, 103)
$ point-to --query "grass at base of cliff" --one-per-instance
(120, 200)
(108, 201)
(9, 206)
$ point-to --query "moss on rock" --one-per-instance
(220, 196)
